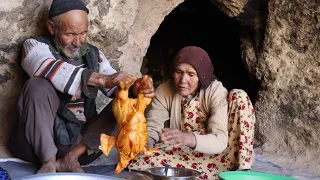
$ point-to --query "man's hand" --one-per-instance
(122, 79)
(177, 138)
(144, 86)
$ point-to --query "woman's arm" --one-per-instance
(158, 113)
(216, 139)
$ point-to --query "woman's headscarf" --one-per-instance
(200, 60)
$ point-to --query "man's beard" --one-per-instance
(71, 54)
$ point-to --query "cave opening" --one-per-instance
(201, 23)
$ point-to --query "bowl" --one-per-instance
(243, 175)
(173, 173)
(67, 176)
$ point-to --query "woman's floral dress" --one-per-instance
(237, 155)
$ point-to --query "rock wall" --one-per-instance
(288, 108)
(19, 19)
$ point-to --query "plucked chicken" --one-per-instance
(132, 133)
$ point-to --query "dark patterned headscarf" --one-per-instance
(200, 60)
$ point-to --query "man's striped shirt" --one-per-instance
(65, 76)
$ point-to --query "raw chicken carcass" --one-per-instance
(132, 133)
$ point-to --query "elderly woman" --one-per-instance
(195, 122)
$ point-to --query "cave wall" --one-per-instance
(283, 54)
(288, 108)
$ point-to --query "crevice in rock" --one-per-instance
(201, 23)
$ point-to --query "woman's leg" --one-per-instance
(241, 128)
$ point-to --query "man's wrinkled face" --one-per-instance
(70, 33)
(186, 80)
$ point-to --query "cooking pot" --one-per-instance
(68, 176)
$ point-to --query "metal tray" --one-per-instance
(68, 176)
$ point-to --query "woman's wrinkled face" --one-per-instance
(186, 80)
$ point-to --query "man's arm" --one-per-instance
(140, 86)
(106, 69)
(38, 61)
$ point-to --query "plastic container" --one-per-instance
(243, 175)
(4, 174)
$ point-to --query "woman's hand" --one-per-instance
(144, 86)
(178, 138)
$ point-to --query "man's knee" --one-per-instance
(38, 88)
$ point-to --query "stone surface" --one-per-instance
(264, 165)
(19, 19)
(288, 107)
(232, 8)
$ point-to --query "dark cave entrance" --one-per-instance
(200, 23)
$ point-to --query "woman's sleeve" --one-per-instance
(217, 130)
(157, 114)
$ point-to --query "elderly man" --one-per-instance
(58, 121)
